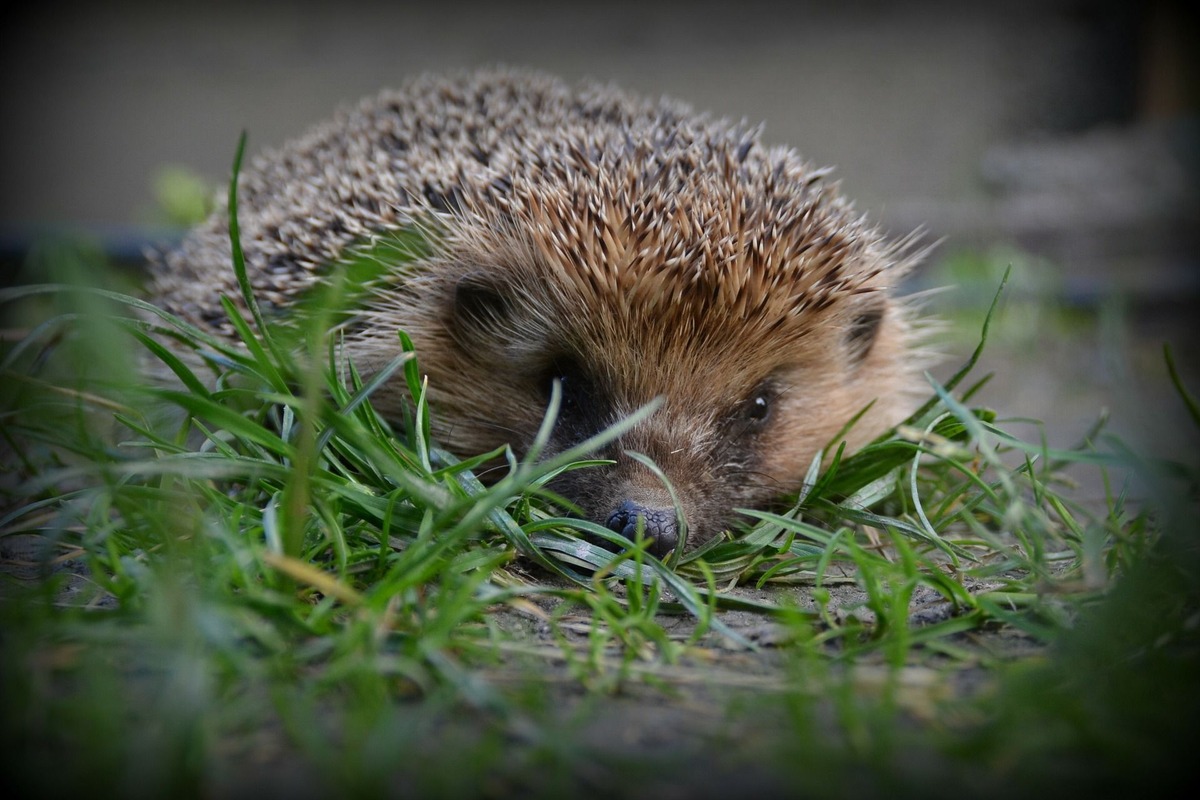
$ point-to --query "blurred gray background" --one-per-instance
(1055, 135)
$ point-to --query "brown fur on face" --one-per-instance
(629, 250)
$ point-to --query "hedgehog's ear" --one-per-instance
(864, 328)
(479, 310)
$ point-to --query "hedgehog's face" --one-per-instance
(737, 428)
(744, 410)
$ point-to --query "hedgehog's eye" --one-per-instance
(566, 392)
(583, 407)
(756, 409)
(572, 384)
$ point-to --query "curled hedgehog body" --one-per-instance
(629, 249)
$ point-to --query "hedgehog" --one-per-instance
(624, 248)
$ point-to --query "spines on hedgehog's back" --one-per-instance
(688, 189)
(424, 148)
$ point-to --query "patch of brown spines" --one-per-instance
(630, 249)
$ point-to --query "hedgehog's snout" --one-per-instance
(658, 524)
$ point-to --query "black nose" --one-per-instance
(658, 524)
